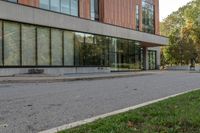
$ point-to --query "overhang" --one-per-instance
(25, 14)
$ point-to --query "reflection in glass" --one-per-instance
(94, 9)
(15, 1)
(148, 14)
(11, 44)
(56, 47)
(79, 49)
(79, 41)
(124, 55)
(55, 5)
(65, 6)
(43, 46)
(152, 59)
(44, 4)
(28, 45)
(91, 50)
(68, 48)
(74, 7)
(137, 18)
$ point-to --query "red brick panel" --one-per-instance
(157, 20)
(84, 9)
(34, 3)
(119, 12)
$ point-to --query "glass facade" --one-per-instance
(44, 4)
(125, 54)
(148, 16)
(92, 50)
(74, 7)
(28, 35)
(137, 18)
(29, 45)
(56, 47)
(65, 6)
(43, 46)
(68, 48)
(55, 5)
(13, 1)
(94, 9)
(11, 44)
(70, 7)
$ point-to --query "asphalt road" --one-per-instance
(29, 108)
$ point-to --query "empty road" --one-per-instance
(31, 107)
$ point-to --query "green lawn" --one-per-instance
(176, 115)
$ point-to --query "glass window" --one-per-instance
(94, 9)
(43, 46)
(1, 62)
(148, 16)
(152, 59)
(68, 48)
(137, 18)
(103, 43)
(65, 6)
(15, 1)
(112, 53)
(28, 45)
(124, 54)
(56, 47)
(92, 50)
(11, 44)
(44, 4)
(55, 5)
(74, 7)
(87, 51)
(79, 41)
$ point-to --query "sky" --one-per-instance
(168, 6)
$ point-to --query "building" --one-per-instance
(75, 36)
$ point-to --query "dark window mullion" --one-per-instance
(63, 54)
(50, 46)
(36, 46)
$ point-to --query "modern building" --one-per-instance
(76, 36)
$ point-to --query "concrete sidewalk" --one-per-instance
(37, 78)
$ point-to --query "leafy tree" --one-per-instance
(183, 29)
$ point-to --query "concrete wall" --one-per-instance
(55, 71)
(20, 13)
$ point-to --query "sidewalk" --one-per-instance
(30, 78)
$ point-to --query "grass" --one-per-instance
(180, 114)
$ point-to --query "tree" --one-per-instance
(183, 29)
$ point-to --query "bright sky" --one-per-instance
(168, 6)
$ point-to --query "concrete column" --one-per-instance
(145, 58)
(158, 57)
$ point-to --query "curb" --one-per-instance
(64, 79)
(89, 120)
